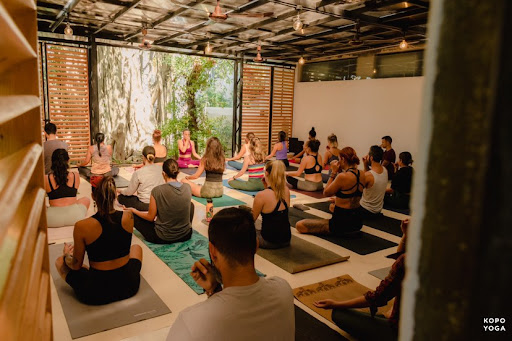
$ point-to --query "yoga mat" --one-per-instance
(385, 224)
(380, 273)
(180, 257)
(405, 211)
(361, 243)
(316, 195)
(309, 328)
(192, 171)
(251, 193)
(301, 255)
(395, 255)
(341, 288)
(322, 206)
(85, 319)
(121, 182)
(223, 201)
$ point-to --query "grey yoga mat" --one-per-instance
(85, 319)
(380, 273)
(301, 255)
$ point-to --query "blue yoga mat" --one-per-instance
(181, 256)
(251, 193)
(223, 201)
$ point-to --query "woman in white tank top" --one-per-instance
(244, 152)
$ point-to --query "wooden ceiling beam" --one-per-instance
(64, 13)
(119, 13)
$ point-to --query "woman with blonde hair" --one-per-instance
(244, 152)
(254, 164)
(213, 162)
(187, 149)
(332, 153)
(160, 149)
(272, 203)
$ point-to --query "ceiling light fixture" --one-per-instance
(297, 23)
(68, 31)
(301, 60)
(208, 49)
(258, 58)
(403, 44)
(146, 44)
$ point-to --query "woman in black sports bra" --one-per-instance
(114, 264)
(311, 166)
(62, 187)
(347, 183)
(272, 203)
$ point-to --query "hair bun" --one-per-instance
(312, 128)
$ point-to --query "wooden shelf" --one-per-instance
(14, 106)
(14, 48)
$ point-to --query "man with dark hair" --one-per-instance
(240, 305)
(389, 157)
(51, 144)
(377, 181)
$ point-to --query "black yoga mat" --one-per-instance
(395, 255)
(191, 171)
(309, 328)
(380, 222)
(405, 211)
(361, 243)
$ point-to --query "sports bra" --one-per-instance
(313, 170)
(356, 193)
(63, 191)
(188, 150)
(114, 241)
(332, 158)
(275, 226)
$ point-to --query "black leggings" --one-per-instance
(132, 201)
(147, 229)
(96, 287)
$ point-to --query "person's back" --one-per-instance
(101, 159)
(373, 197)
(48, 148)
(263, 310)
(173, 207)
(149, 177)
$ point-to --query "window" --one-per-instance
(335, 70)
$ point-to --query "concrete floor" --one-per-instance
(177, 295)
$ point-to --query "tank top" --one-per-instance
(247, 151)
(187, 151)
(63, 191)
(101, 164)
(256, 171)
(314, 170)
(114, 241)
(356, 193)
(283, 153)
(373, 197)
(275, 226)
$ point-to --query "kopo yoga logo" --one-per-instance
(494, 324)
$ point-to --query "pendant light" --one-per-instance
(403, 44)
(301, 60)
(208, 49)
(68, 31)
(297, 23)
(258, 58)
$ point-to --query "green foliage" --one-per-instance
(198, 82)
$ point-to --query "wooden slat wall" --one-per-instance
(282, 102)
(68, 96)
(25, 302)
(256, 101)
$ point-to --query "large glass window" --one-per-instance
(335, 70)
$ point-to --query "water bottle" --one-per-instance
(209, 209)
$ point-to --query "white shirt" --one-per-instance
(143, 181)
(373, 197)
(261, 311)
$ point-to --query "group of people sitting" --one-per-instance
(160, 207)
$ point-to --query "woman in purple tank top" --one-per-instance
(187, 149)
(280, 150)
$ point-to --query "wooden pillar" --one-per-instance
(459, 248)
(94, 107)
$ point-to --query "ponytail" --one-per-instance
(105, 195)
(99, 138)
(149, 153)
(60, 158)
(276, 178)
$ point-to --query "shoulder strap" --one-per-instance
(50, 182)
(74, 179)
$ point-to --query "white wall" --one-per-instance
(360, 112)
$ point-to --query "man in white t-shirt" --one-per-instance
(245, 307)
(377, 182)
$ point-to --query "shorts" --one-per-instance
(96, 287)
(345, 221)
(212, 189)
(59, 216)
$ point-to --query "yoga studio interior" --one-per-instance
(255, 170)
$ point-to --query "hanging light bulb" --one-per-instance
(258, 57)
(297, 23)
(68, 31)
(208, 49)
(403, 44)
(302, 30)
(301, 60)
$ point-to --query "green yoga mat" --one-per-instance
(83, 319)
(380, 273)
(301, 255)
(181, 256)
(223, 201)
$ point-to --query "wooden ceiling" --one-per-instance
(330, 27)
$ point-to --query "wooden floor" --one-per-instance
(177, 295)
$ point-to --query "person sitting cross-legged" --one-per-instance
(114, 264)
(377, 177)
(142, 182)
(240, 305)
(171, 204)
(399, 195)
(364, 326)
(311, 166)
